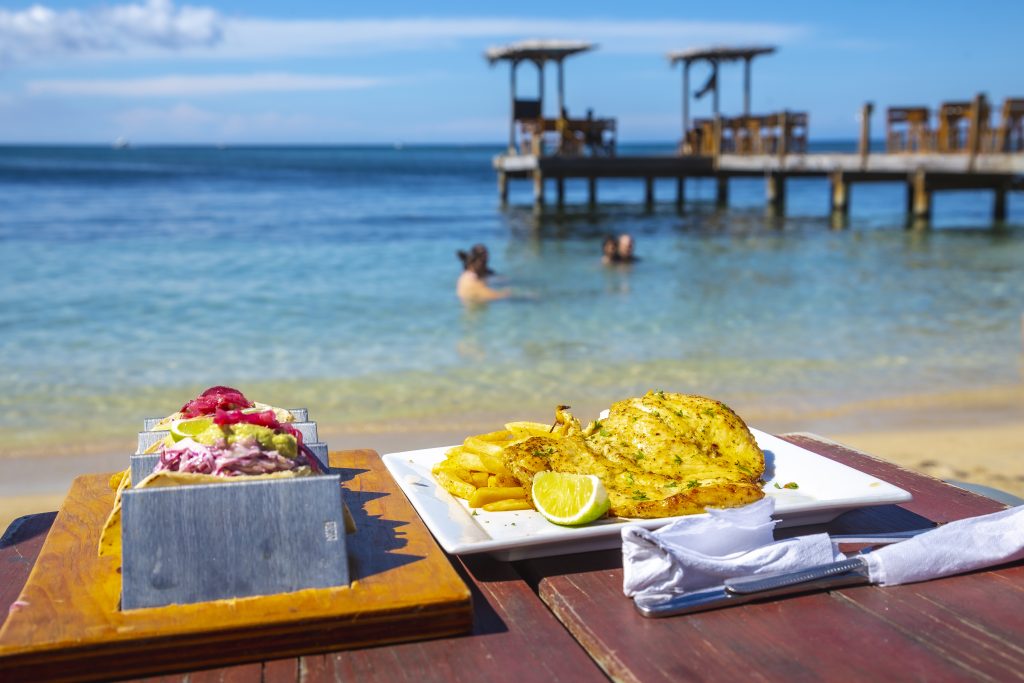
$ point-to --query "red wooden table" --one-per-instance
(565, 618)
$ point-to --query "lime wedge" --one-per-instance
(569, 499)
(190, 428)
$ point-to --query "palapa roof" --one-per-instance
(537, 50)
(719, 54)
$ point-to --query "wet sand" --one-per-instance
(972, 436)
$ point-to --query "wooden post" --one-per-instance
(592, 191)
(865, 133)
(840, 194)
(910, 196)
(503, 187)
(686, 99)
(512, 113)
(999, 207)
(783, 134)
(714, 89)
(922, 197)
(716, 129)
(538, 189)
(775, 192)
(974, 133)
(560, 191)
(561, 87)
(649, 192)
(680, 193)
(746, 85)
(722, 191)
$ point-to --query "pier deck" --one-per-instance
(923, 174)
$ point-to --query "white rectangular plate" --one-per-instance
(826, 489)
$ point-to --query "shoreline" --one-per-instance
(974, 435)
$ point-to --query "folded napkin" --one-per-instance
(701, 551)
(953, 548)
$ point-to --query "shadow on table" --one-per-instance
(373, 547)
(27, 527)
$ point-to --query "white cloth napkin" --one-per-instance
(701, 551)
(953, 548)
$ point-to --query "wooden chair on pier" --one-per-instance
(956, 121)
(1009, 137)
(907, 129)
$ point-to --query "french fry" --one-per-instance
(522, 430)
(474, 444)
(494, 464)
(508, 505)
(480, 479)
(452, 484)
(468, 461)
(492, 480)
(490, 494)
(499, 436)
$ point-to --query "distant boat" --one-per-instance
(121, 143)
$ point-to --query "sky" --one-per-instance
(323, 72)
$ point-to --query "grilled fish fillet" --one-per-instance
(658, 456)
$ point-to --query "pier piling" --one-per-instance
(775, 192)
(840, 194)
(503, 187)
(560, 192)
(680, 193)
(999, 206)
(649, 193)
(922, 203)
(592, 191)
(722, 191)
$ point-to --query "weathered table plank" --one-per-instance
(942, 630)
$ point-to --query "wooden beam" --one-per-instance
(999, 205)
(864, 146)
(722, 191)
(922, 206)
(746, 85)
(775, 192)
(840, 194)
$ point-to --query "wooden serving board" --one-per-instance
(67, 625)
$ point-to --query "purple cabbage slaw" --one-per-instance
(244, 456)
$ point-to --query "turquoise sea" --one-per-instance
(325, 277)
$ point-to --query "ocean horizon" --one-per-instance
(323, 276)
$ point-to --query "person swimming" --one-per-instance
(626, 245)
(471, 286)
(609, 250)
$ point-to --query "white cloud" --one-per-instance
(43, 32)
(159, 28)
(211, 84)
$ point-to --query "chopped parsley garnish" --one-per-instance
(692, 484)
(639, 495)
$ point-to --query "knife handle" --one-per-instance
(770, 582)
(824, 577)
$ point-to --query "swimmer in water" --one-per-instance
(625, 248)
(609, 251)
(471, 286)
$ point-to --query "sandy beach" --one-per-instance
(970, 436)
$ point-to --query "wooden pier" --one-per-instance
(964, 153)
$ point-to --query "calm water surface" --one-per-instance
(325, 276)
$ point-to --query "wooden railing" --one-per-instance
(778, 133)
(568, 137)
(960, 127)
